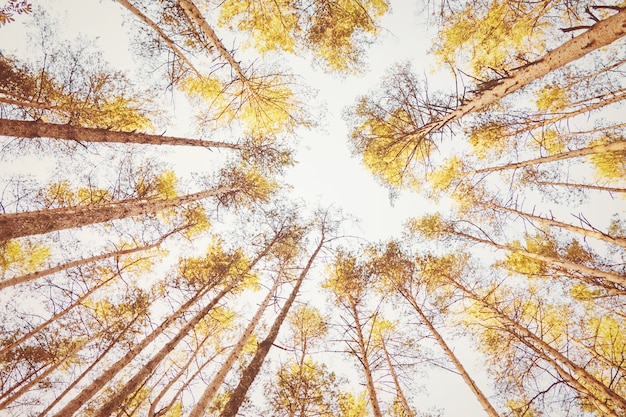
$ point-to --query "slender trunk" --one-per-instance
(61, 267)
(38, 129)
(210, 391)
(15, 225)
(39, 378)
(121, 394)
(93, 364)
(600, 34)
(371, 389)
(575, 185)
(152, 411)
(482, 398)
(611, 277)
(551, 222)
(618, 146)
(195, 15)
(98, 383)
(249, 374)
(396, 381)
(546, 351)
(161, 34)
(57, 316)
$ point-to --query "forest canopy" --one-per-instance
(312, 208)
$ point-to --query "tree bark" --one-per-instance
(371, 389)
(396, 381)
(249, 374)
(38, 129)
(61, 267)
(482, 398)
(618, 146)
(600, 34)
(620, 241)
(162, 34)
(209, 393)
(15, 225)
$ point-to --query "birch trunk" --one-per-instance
(249, 374)
(15, 225)
(210, 391)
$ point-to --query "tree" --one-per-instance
(13, 6)
(252, 370)
(349, 281)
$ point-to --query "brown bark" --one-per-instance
(61, 267)
(38, 129)
(396, 381)
(371, 389)
(620, 241)
(609, 276)
(209, 393)
(575, 374)
(15, 225)
(600, 34)
(98, 383)
(249, 374)
(575, 185)
(482, 398)
(162, 34)
(618, 146)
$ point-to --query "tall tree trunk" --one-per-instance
(38, 129)
(600, 34)
(195, 16)
(202, 404)
(609, 276)
(620, 241)
(61, 267)
(551, 354)
(482, 398)
(396, 381)
(249, 374)
(371, 389)
(139, 378)
(93, 364)
(15, 225)
(161, 34)
(98, 383)
(576, 185)
(618, 146)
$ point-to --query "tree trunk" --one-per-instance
(210, 391)
(620, 241)
(121, 394)
(89, 368)
(600, 34)
(396, 381)
(575, 185)
(371, 389)
(98, 383)
(162, 34)
(61, 267)
(618, 146)
(549, 353)
(15, 225)
(249, 374)
(609, 276)
(38, 129)
(482, 399)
